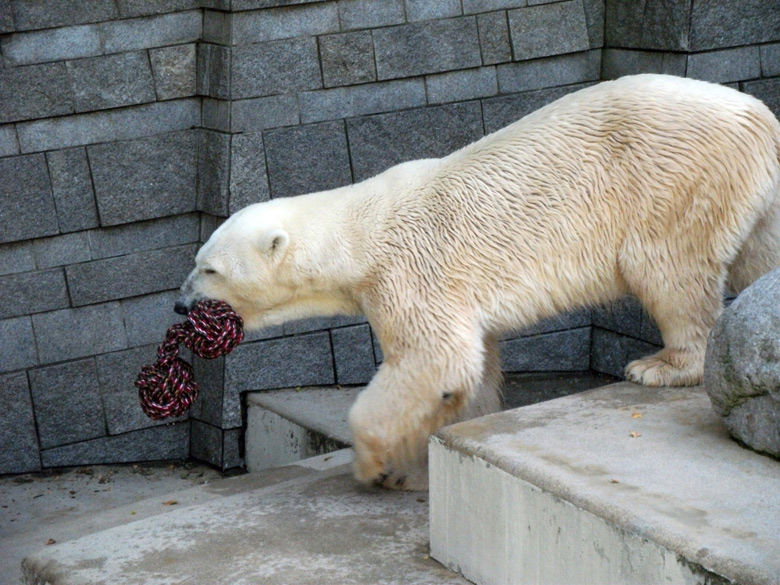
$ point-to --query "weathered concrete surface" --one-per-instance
(742, 366)
(622, 484)
(320, 527)
(289, 425)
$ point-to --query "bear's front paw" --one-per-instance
(376, 465)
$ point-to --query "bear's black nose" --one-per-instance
(180, 308)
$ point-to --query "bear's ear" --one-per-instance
(274, 241)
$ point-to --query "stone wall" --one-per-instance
(129, 129)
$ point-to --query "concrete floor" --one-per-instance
(59, 505)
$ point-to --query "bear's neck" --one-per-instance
(331, 230)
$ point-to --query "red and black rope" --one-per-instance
(167, 387)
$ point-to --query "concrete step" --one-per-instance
(305, 523)
(284, 426)
(622, 484)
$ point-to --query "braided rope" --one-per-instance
(167, 387)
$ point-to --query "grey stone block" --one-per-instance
(304, 360)
(719, 23)
(38, 14)
(474, 6)
(305, 159)
(655, 24)
(275, 67)
(68, 408)
(106, 126)
(174, 71)
(359, 100)
(347, 58)
(611, 352)
(26, 202)
(147, 235)
(145, 178)
(562, 322)
(32, 292)
(9, 144)
(237, 5)
(154, 444)
(370, 13)
(768, 91)
(17, 426)
(770, 60)
(425, 10)
(6, 18)
(18, 343)
(285, 23)
(623, 316)
(548, 29)
(549, 72)
(494, 38)
(504, 110)
(127, 276)
(213, 172)
(353, 354)
(206, 443)
(649, 331)
(71, 185)
(75, 333)
(594, 16)
(16, 257)
(217, 27)
(232, 448)
(248, 174)
(563, 351)
(38, 91)
(726, 65)
(427, 47)
(152, 31)
(210, 405)
(379, 142)
(130, 8)
(62, 250)
(147, 318)
(619, 62)
(457, 86)
(742, 366)
(208, 225)
(263, 113)
(213, 71)
(117, 373)
(320, 323)
(216, 114)
(378, 355)
(55, 44)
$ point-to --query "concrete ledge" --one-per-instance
(615, 485)
(285, 426)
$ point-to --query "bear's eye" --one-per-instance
(209, 271)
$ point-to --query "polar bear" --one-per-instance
(657, 186)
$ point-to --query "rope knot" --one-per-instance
(167, 387)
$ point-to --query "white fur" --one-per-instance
(650, 185)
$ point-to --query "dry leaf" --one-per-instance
(636, 415)
(634, 434)
(50, 541)
(170, 503)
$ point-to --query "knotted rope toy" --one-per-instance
(167, 387)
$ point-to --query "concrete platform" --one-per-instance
(284, 426)
(316, 525)
(622, 484)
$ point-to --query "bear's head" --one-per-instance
(241, 265)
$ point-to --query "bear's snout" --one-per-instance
(181, 308)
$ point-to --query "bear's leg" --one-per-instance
(409, 399)
(487, 398)
(685, 311)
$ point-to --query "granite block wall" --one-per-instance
(130, 129)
